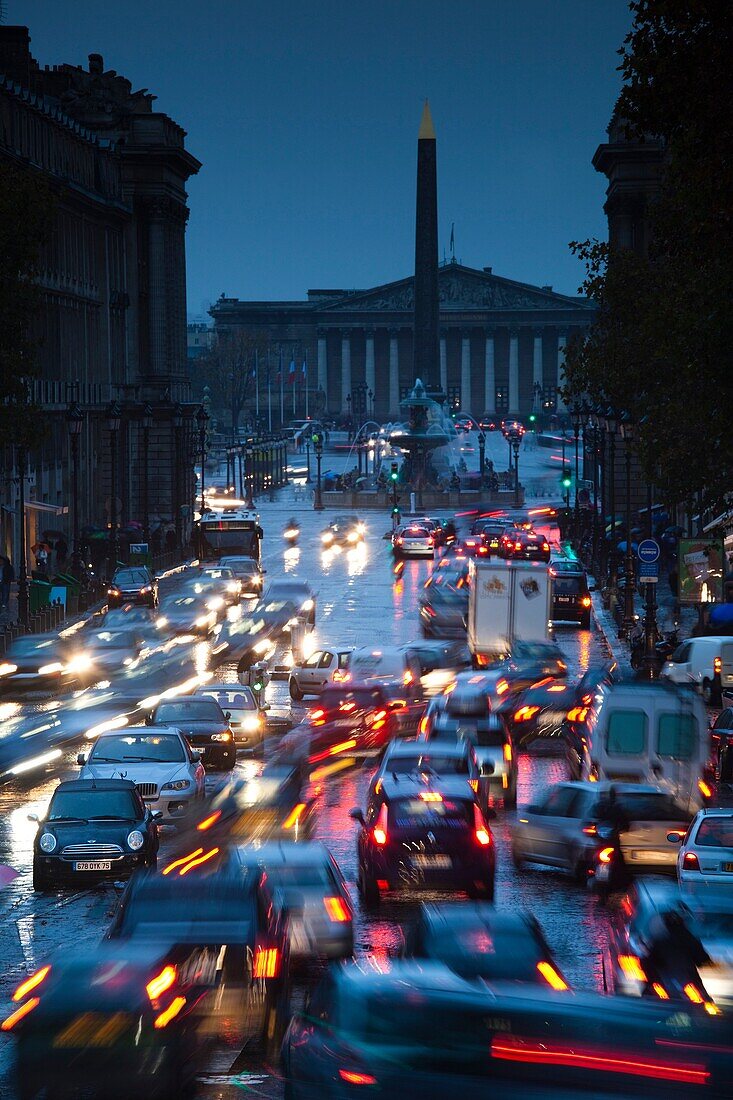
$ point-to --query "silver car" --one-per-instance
(314, 673)
(412, 540)
(307, 882)
(246, 718)
(705, 855)
(167, 773)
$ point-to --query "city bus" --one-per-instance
(228, 532)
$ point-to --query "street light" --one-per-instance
(308, 478)
(627, 434)
(74, 424)
(114, 420)
(177, 422)
(576, 414)
(249, 475)
(515, 441)
(146, 421)
(318, 448)
(611, 427)
(202, 421)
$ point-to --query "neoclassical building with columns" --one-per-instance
(502, 343)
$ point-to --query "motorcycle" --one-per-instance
(291, 534)
(667, 645)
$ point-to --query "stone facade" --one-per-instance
(501, 343)
(113, 321)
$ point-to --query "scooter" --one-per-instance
(291, 534)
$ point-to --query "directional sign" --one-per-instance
(648, 551)
(138, 547)
(648, 572)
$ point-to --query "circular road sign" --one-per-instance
(648, 550)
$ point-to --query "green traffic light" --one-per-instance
(532, 418)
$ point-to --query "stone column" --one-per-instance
(562, 341)
(157, 291)
(466, 373)
(345, 369)
(490, 374)
(322, 362)
(513, 372)
(370, 375)
(394, 375)
(537, 372)
(443, 363)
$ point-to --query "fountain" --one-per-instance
(426, 429)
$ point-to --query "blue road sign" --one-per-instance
(648, 551)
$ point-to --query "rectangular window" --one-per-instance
(502, 399)
(676, 736)
(626, 733)
(454, 398)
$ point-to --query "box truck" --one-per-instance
(508, 601)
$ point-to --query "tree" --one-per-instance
(26, 212)
(228, 369)
(661, 346)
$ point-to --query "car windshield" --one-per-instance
(435, 762)
(83, 805)
(217, 574)
(649, 806)
(243, 567)
(28, 647)
(504, 953)
(243, 699)
(304, 876)
(569, 585)
(715, 832)
(158, 748)
(189, 710)
(112, 639)
(365, 665)
(131, 578)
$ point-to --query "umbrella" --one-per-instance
(39, 546)
(622, 546)
(7, 875)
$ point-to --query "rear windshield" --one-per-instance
(487, 953)
(481, 733)
(569, 586)
(308, 876)
(193, 710)
(406, 813)
(626, 733)
(436, 762)
(410, 1020)
(89, 804)
(363, 697)
(128, 748)
(199, 900)
(715, 832)
(648, 806)
(677, 736)
(364, 665)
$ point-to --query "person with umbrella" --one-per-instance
(41, 551)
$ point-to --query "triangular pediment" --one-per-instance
(461, 288)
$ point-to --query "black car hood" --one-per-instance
(76, 832)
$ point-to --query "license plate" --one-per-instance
(603, 871)
(728, 866)
(563, 599)
(343, 722)
(440, 863)
(651, 856)
(93, 865)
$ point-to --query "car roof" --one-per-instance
(96, 785)
(424, 974)
(147, 731)
(309, 853)
(404, 750)
(411, 786)
(459, 914)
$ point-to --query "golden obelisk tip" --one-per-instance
(427, 130)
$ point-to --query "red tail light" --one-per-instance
(351, 1077)
(577, 714)
(400, 540)
(266, 962)
(430, 541)
(170, 1012)
(337, 910)
(430, 611)
(483, 836)
(632, 968)
(690, 862)
(605, 855)
(525, 713)
(379, 832)
(586, 601)
(10, 1021)
(517, 546)
(717, 665)
(516, 1048)
(591, 829)
(161, 982)
(545, 546)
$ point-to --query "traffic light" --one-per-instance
(532, 418)
(395, 510)
(567, 477)
(394, 472)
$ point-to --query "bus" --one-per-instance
(228, 532)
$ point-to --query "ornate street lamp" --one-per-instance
(515, 442)
(75, 424)
(202, 423)
(626, 429)
(318, 447)
(114, 420)
(481, 455)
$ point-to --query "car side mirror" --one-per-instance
(265, 706)
(356, 815)
(81, 759)
(228, 715)
(34, 817)
(195, 754)
(675, 838)
(157, 816)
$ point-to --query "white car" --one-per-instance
(159, 761)
(705, 857)
(699, 661)
(413, 539)
(246, 718)
(314, 673)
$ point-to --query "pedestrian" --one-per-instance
(170, 540)
(61, 551)
(7, 576)
(42, 559)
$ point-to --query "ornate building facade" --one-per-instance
(112, 327)
(502, 343)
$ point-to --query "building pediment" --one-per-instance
(461, 288)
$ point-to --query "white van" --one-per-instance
(648, 733)
(698, 660)
(386, 665)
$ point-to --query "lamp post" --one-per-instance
(177, 422)
(308, 478)
(611, 426)
(74, 424)
(576, 418)
(249, 474)
(627, 434)
(114, 419)
(370, 395)
(516, 442)
(202, 420)
(146, 421)
(566, 491)
(21, 457)
(651, 664)
(318, 447)
(481, 455)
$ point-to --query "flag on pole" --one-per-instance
(292, 374)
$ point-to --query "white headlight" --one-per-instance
(135, 840)
(81, 662)
(203, 620)
(221, 737)
(48, 670)
(6, 669)
(47, 843)
(177, 785)
(215, 604)
(308, 605)
(251, 723)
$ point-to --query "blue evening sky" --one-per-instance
(305, 115)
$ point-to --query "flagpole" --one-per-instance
(282, 392)
(306, 383)
(257, 386)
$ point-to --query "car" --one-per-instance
(114, 1020)
(444, 605)
(473, 546)
(571, 599)
(561, 828)
(214, 913)
(632, 932)
(436, 527)
(204, 725)
(451, 758)
(466, 717)
(247, 719)
(352, 719)
(343, 531)
(295, 591)
(531, 661)
(423, 831)
(524, 546)
(512, 427)
(216, 586)
(440, 661)
(36, 662)
(323, 667)
(251, 637)
(168, 775)
(145, 621)
(487, 423)
(491, 533)
(463, 424)
(93, 828)
(705, 853)
(255, 808)
(396, 665)
(698, 661)
(98, 654)
(412, 540)
(134, 585)
(187, 614)
(539, 712)
(477, 942)
(306, 880)
(721, 740)
(248, 572)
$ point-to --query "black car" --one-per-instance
(135, 1035)
(204, 725)
(93, 828)
(539, 712)
(524, 546)
(476, 941)
(201, 902)
(36, 662)
(136, 585)
(343, 531)
(423, 832)
(571, 599)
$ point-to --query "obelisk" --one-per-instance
(426, 354)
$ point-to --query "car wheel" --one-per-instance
(295, 689)
(41, 881)
(707, 691)
(367, 886)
